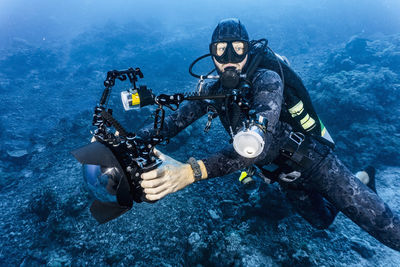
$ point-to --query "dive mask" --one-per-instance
(229, 51)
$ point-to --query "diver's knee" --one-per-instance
(319, 222)
(323, 222)
(322, 225)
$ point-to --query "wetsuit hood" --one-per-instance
(229, 44)
(229, 30)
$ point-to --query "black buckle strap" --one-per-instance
(293, 159)
(293, 145)
(297, 137)
(294, 152)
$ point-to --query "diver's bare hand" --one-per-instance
(170, 177)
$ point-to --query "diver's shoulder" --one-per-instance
(264, 76)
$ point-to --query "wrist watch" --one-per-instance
(196, 168)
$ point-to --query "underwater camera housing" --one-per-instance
(115, 160)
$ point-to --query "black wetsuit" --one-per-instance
(324, 188)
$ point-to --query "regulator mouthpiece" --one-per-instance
(230, 78)
(249, 143)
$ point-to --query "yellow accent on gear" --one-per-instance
(307, 123)
(297, 109)
(323, 132)
(135, 99)
(242, 176)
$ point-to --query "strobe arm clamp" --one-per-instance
(240, 100)
(109, 82)
(131, 74)
(170, 101)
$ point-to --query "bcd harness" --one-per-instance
(297, 110)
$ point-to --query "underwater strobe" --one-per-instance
(249, 142)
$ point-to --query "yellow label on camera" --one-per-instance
(135, 99)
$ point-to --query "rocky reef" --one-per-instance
(357, 94)
(48, 95)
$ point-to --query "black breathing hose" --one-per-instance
(257, 59)
(280, 67)
(194, 62)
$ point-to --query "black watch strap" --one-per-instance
(196, 168)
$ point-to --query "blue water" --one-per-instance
(54, 56)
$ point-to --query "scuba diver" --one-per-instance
(286, 142)
(274, 131)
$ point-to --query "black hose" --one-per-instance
(194, 62)
(210, 72)
(257, 59)
(280, 67)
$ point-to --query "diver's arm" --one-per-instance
(188, 113)
(170, 177)
(173, 175)
(267, 102)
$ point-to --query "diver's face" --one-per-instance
(239, 66)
